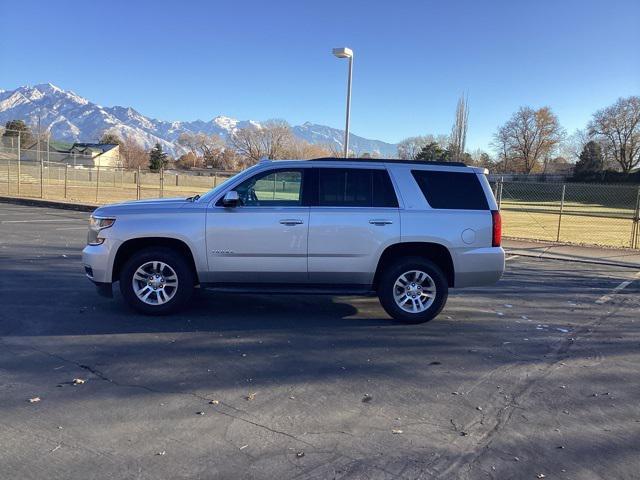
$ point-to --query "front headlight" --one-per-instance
(96, 224)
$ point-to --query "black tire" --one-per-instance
(392, 273)
(176, 261)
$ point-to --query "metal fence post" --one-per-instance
(564, 187)
(18, 163)
(500, 183)
(66, 178)
(215, 179)
(161, 182)
(41, 177)
(635, 229)
(138, 185)
(8, 176)
(97, 181)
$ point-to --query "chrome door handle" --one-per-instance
(291, 221)
(380, 221)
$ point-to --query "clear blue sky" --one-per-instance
(262, 59)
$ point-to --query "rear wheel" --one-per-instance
(156, 281)
(413, 290)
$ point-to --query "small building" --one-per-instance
(79, 155)
(101, 154)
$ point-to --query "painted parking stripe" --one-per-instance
(511, 257)
(618, 289)
(68, 220)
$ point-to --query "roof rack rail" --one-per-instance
(387, 160)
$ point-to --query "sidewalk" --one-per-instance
(574, 253)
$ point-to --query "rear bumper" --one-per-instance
(476, 267)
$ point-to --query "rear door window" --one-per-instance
(355, 187)
(451, 190)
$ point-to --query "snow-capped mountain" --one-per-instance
(71, 117)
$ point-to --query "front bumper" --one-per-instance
(97, 261)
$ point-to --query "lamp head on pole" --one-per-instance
(343, 52)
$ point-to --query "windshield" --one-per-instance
(218, 188)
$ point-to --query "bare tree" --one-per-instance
(272, 139)
(410, 147)
(303, 150)
(528, 138)
(500, 145)
(206, 149)
(618, 126)
(133, 155)
(458, 137)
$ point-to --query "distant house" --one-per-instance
(88, 155)
(102, 154)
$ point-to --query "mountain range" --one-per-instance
(70, 117)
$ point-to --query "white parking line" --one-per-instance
(68, 220)
(622, 286)
(511, 257)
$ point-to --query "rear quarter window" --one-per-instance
(451, 190)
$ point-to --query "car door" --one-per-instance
(354, 218)
(264, 238)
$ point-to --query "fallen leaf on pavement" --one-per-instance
(214, 402)
(78, 381)
(161, 453)
(34, 400)
(251, 396)
(396, 431)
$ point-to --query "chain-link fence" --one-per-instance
(99, 185)
(585, 213)
(33, 165)
(599, 214)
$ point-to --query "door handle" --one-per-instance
(291, 221)
(380, 221)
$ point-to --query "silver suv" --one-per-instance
(404, 230)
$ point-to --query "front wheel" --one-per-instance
(156, 281)
(413, 290)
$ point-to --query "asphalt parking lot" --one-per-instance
(537, 375)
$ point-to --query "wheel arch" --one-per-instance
(134, 245)
(435, 252)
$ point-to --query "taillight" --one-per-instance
(496, 238)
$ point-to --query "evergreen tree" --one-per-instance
(432, 152)
(157, 158)
(13, 128)
(590, 161)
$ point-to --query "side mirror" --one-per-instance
(231, 199)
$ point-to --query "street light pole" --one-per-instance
(346, 53)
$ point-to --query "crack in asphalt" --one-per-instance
(106, 378)
(504, 414)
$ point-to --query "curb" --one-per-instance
(542, 256)
(37, 202)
